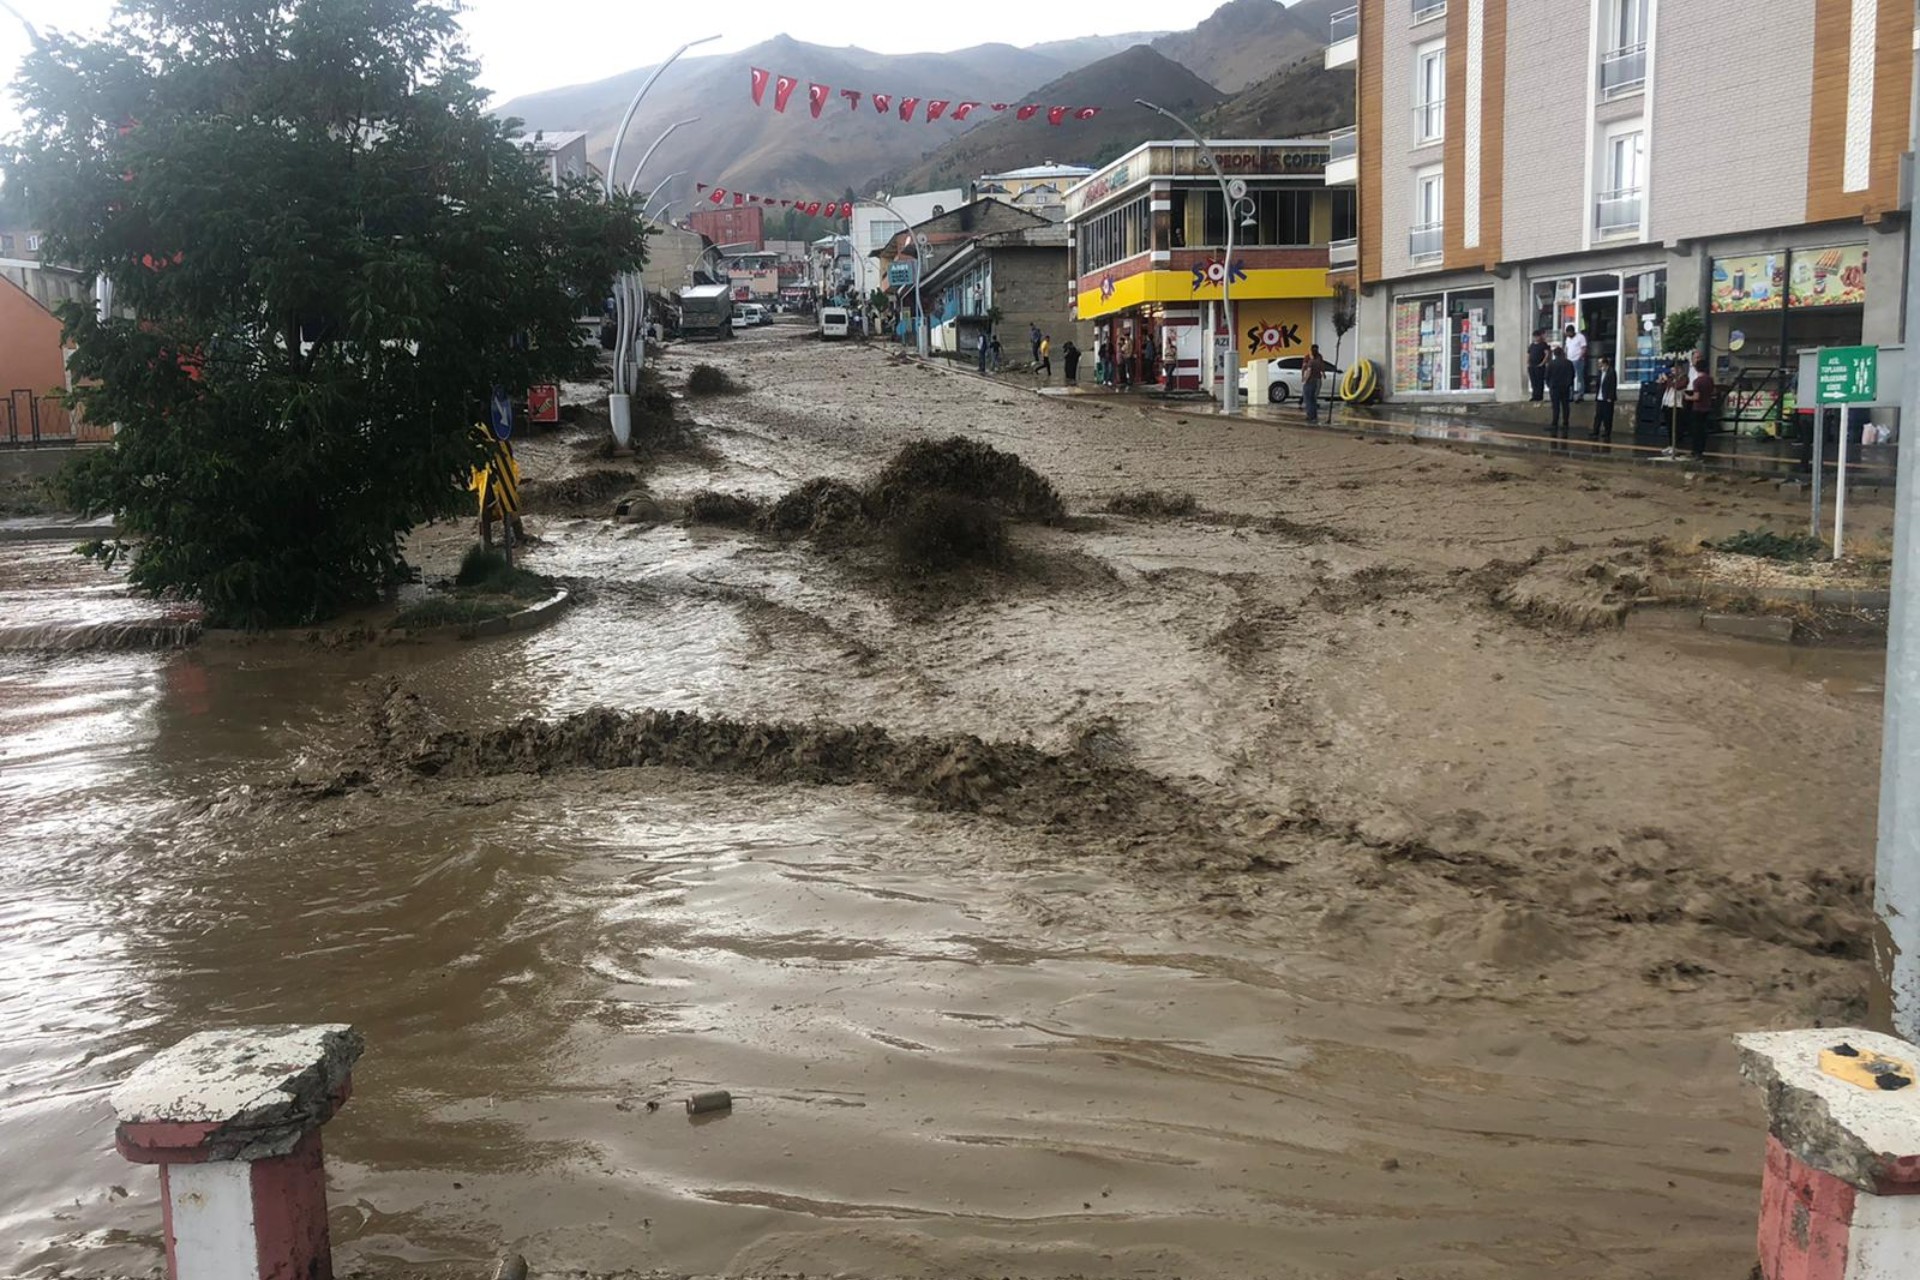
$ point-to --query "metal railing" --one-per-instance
(1429, 122)
(1428, 240)
(1344, 25)
(1343, 144)
(1343, 253)
(1617, 210)
(1424, 9)
(1623, 71)
(30, 421)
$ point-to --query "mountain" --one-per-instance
(740, 146)
(1295, 102)
(1000, 143)
(1243, 41)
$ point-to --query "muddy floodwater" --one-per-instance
(1335, 880)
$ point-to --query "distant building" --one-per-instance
(1149, 244)
(1016, 273)
(732, 225)
(33, 359)
(1041, 188)
(874, 225)
(947, 235)
(563, 156)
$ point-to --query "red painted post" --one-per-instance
(232, 1118)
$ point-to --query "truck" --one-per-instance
(706, 311)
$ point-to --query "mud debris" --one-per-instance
(1153, 504)
(964, 468)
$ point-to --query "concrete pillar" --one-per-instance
(1840, 1199)
(233, 1120)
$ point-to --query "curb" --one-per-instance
(531, 618)
(73, 532)
(1694, 589)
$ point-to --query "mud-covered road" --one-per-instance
(1323, 883)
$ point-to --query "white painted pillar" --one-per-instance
(1840, 1197)
(232, 1118)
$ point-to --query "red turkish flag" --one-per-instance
(719, 195)
(881, 101)
(760, 77)
(782, 90)
(739, 198)
(1086, 113)
(853, 97)
(813, 207)
(1027, 112)
(831, 210)
(817, 98)
(1056, 114)
(906, 107)
(999, 106)
(965, 109)
(937, 108)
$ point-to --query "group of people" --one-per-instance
(1558, 373)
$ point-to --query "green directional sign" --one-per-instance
(1848, 375)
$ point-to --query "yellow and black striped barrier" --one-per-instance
(497, 484)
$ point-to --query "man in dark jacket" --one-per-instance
(1537, 364)
(1606, 392)
(1560, 391)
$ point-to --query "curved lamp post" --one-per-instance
(619, 403)
(648, 202)
(919, 269)
(665, 133)
(1231, 206)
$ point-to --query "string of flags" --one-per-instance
(812, 208)
(906, 106)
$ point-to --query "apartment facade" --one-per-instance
(1530, 164)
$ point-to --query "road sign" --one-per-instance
(500, 412)
(543, 402)
(900, 273)
(1848, 375)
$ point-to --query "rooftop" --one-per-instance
(545, 140)
(1033, 171)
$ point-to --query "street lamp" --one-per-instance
(1233, 200)
(919, 269)
(619, 402)
(634, 181)
(648, 202)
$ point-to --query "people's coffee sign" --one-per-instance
(1265, 162)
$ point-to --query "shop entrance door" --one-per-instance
(1600, 317)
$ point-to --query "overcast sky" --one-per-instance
(525, 45)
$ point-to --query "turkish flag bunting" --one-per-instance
(1027, 112)
(906, 107)
(937, 108)
(818, 95)
(719, 195)
(1056, 114)
(786, 204)
(813, 207)
(760, 77)
(831, 210)
(964, 110)
(999, 106)
(853, 97)
(782, 90)
(817, 98)
(699, 186)
(738, 199)
(1086, 113)
(881, 101)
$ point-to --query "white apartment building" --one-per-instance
(1529, 164)
(874, 225)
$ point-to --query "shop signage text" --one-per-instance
(1848, 375)
(1213, 272)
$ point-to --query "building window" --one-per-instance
(33, 244)
(1618, 209)
(1114, 236)
(1429, 209)
(1623, 49)
(1425, 9)
(6, 244)
(1429, 93)
(1282, 216)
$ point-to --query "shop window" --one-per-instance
(1419, 343)
(1444, 342)
(1470, 336)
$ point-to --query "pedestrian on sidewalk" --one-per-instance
(1560, 392)
(995, 354)
(1606, 392)
(1673, 403)
(1577, 357)
(1313, 375)
(1149, 359)
(1033, 340)
(1045, 349)
(1070, 362)
(1701, 395)
(1537, 364)
(983, 351)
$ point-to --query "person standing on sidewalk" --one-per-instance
(1149, 359)
(1560, 391)
(1537, 354)
(1701, 395)
(983, 351)
(1070, 362)
(1312, 374)
(1033, 340)
(1043, 353)
(1606, 393)
(1577, 357)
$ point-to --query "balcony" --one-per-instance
(1429, 122)
(1623, 71)
(1343, 253)
(1426, 243)
(1425, 9)
(1343, 38)
(1343, 158)
(1617, 212)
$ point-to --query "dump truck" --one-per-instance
(706, 311)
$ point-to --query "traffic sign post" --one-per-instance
(543, 403)
(1845, 375)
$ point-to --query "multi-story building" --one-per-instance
(1531, 164)
(1041, 188)
(873, 225)
(562, 157)
(1149, 238)
(742, 226)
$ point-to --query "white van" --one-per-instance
(748, 315)
(835, 322)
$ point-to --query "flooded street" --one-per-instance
(1257, 892)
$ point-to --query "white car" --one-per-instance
(748, 315)
(1283, 379)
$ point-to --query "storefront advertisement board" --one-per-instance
(1754, 282)
(1271, 328)
(1835, 277)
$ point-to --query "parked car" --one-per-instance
(1283, 379)
(749, 315)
